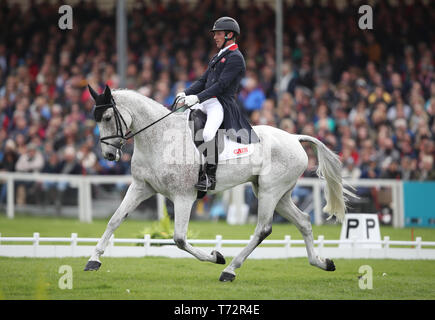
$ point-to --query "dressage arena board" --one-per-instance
(270, 249)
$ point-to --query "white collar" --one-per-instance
(225, 49)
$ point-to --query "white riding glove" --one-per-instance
(180, 99)
(181, 95)
(191, 100)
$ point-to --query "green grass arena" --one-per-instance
(167, 279)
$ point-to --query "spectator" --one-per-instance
(408, 168)
(9, 156)
(252, 96)
(426, 168)
(31, 161)
(340, 84)
(323, 118)
(392, 171)
(289, 78)
(350, 170)
(386, 154)
(50, 188)
(87, 158)
(370, 169)
(267, 82)
(286, 107)
(8, 162)
(399, 109)
(70, 165)
(288, 125)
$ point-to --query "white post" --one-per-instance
(287, 246)
(73, 243)
(353, 246)
(386, 246)
(418, 246)
(394, 205)
(317, 204)
(87, 197)
(320, 245)
(401, 205)
(81, 200)
(218, 242)
(147, 243)
(35, 243)
(10, 197)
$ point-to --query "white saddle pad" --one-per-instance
(232, 149)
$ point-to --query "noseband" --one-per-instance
(119, 120)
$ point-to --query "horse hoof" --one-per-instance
(219, 257)
(330, 266)
(226, 276)
(92, 266)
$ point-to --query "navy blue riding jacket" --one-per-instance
(221, 80)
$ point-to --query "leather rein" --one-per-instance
(119, 120)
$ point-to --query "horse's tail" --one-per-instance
(330, 169)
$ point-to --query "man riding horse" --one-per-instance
(215, 91)
(279, 157)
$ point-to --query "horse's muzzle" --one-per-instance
(114, 156)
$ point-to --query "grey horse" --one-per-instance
(166, 161)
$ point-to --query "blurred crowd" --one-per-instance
(368, 94)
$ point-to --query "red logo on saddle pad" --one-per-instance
(240, 150)
(223, 60)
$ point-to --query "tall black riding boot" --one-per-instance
(207, 180)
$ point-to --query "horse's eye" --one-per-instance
(107, 118)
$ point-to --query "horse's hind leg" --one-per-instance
(182, 208)
(291, 212)
(266, 206)
(136, 193)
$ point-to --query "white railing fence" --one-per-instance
(83, 183)
(269, 249)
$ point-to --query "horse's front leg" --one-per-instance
(137, 192)
(182, 208)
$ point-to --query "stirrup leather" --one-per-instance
(204, 184)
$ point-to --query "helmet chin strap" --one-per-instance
(226, 39)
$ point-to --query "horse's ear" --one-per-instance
(107, 93)
(93, 93)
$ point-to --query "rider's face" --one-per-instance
(219, 38)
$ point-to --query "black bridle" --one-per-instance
(119, 121)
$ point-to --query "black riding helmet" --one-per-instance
(228, 25)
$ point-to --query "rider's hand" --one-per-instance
(191, 100)
(180, 95)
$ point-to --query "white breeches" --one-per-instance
(215, 115)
